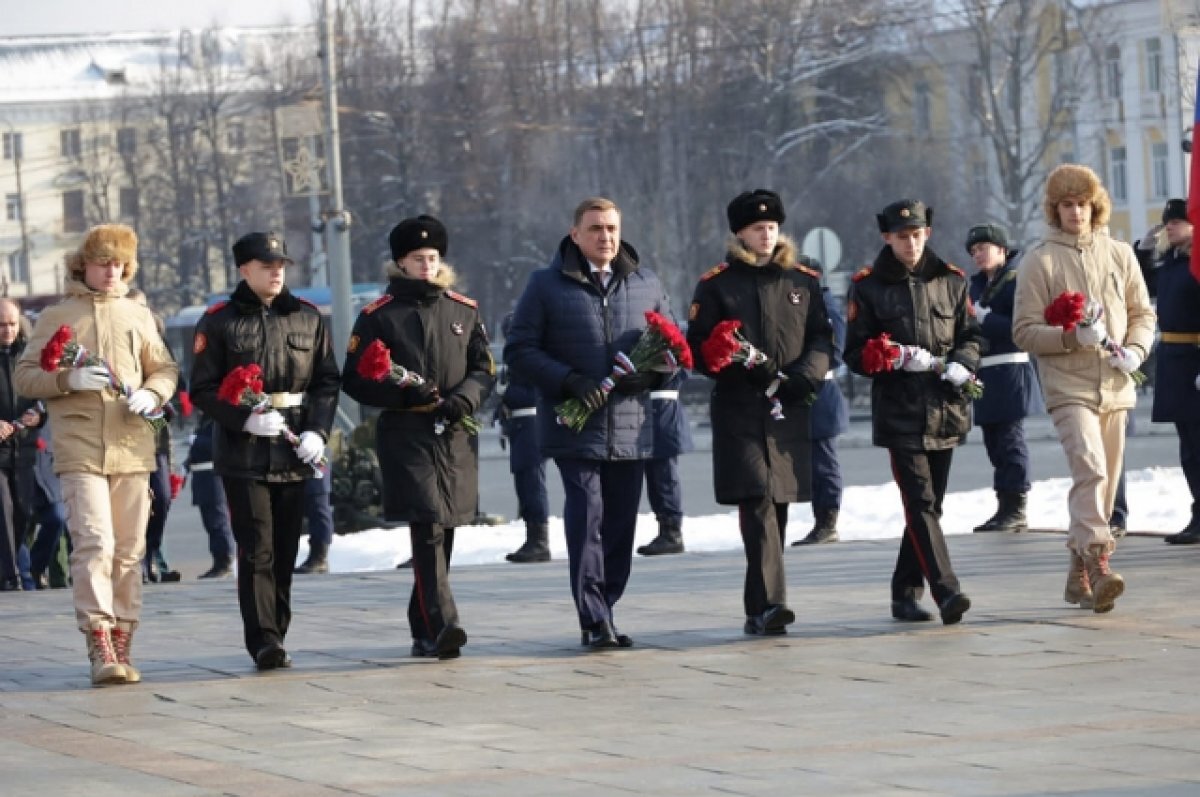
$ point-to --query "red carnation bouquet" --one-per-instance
(661, 347)
(376, 364)
(177, 480)
(726, 345)
(243, 387)
(1071, 309)
(63, 351)
(882, 355)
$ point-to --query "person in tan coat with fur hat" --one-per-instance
(1086, 373)
(104, 448)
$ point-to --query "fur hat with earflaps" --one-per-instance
(106, 242)
(1076, 181)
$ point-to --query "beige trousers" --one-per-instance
(106, 518)
(1094, 443)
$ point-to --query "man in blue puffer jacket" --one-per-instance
(574, 316)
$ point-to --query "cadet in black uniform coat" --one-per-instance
(760, 463)
(920, 300)
(1177, 373)
(264, 324)
(431, 479)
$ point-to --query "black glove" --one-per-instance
(584, 388)
(420, 395)
(454, 409)
(761, 376)
(797, 389)
(638, 382)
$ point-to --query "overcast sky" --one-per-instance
(89, 16)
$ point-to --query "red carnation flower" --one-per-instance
(879, 354)
(376, 362)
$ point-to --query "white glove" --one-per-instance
(917, 359)
(956, 374)
(90, 377)
(142, 401)
(981, 312)
(265, 424)
(1125, 360)
(311, 447)
(1091, 335)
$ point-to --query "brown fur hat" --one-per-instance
(1075, 180)
(106, 242)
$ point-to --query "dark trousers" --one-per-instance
(664, 490)
(12, 524)
(1006, 450)
(215, 517)
(431, 605)
(318, 510)
(826, 476)
(763, 524)
(532, 504)
(160, 505)
(266, 519)
(52, 522)
(1189, 459)
(922, 477)
(600, 518)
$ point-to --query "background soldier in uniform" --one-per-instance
(264, 476)
(761, 463)
(918, 415)
(672, 437)
(430, 466)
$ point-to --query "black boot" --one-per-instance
(824, 530)
(668, 541)
(1010, 514)
(221, 568)
(317, 561)
(536, 547)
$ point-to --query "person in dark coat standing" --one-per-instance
(263, 475)
(917, 413)
(830, 420)
(430, 467)
(762, 463)
(208, 496)
(1012, 392)
(44, 500)
(517, 415)
(1177, 373)
(672, 437)
(574, 316)
(13, 512)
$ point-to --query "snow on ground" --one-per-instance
(1158, 501)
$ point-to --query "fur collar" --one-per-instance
(445, 278)
(784, 255)
(247, 302)
(77, 287)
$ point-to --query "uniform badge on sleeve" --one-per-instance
(456, 328)
(352, 346)
(852, 310)
(794, 297)
(199, 343)
(693, 311)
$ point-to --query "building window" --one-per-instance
(18, 266)
(12, 207)
(1112, 72)
(235, 137)
(73, 219)
(70, 143)
(1160, 173)
(1154, 65)
(126, 141)
(128, 203)
(922, 120)
(1120, 186)
(13, 146)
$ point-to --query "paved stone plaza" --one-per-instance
(1028, 696)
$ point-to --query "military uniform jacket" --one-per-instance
(289, 340)
(1011, 390)
(1178, 364)
(518, 422)
(783, 314)
(926, 307)
(437, 333)
(831, 412)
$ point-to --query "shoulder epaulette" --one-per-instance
(375, 305)
(714, 271)
(956, 270)
(458, 297)
(310, 304)
(862, 274)
(812, 272)
(216, 307)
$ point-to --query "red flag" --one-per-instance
(1194, 182)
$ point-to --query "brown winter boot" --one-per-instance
(1107, 586)
(105, 667)
(122, 642)
(1079, 589)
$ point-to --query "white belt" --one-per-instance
(665, 395)
(1004, 359)
(199, 466)
(524, 412)
(280, 401)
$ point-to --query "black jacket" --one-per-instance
(783, 314)
(290, 342)
(927, 307)
(12, 406)
(437, 333)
